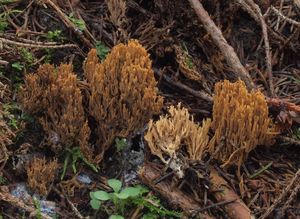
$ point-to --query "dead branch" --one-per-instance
(295, 181)
(218, 38)
(237, 209)
(278, 103)
(14, 201)
(199, 94)
(35, 45)
(175, 197)
(267, 44)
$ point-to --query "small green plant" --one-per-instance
(3, 180)
(129, 196)
(37, 205)
(75, 155)
(297, 133)
(27, 56)
(10, 110)
(55, 35)
(77, 22)
(188, 59)
(121, 144)
(119, 197)
(17, 66)
(102, 50)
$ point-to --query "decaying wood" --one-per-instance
(7, 197)
(176, 198)
(278, 103)
(218, 38)
(235, 210)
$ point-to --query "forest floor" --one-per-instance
(192, 46)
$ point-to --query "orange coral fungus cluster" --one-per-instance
(41, 175)
(123, 91)
(52, 94)
(240, 123)
(170, 132)
(123, 98)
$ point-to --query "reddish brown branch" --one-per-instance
(148, 174)
(218, 38)
(237, 209)
(278, 103)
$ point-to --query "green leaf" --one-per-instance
(116, 217)
(142, 189)
(102, 50)
(17, 66)
(121, 144)
(115, 184)
(121, 195)
(131, 191)
(95, 204)
(92, 195)
(101, 195)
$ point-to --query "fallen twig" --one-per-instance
(260, 170)
(35, 45)
(200, 94)
(218, 38)
(294, 181)
(74, 209)
(175, 196)
(216, 205)
(7, 197)
(279, 103)
(237, 209)
(267, 44)
(3, 62)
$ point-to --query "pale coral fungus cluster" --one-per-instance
(170, 132)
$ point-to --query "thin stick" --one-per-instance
(267, 45)
(218, 38)
(199, 94)
(289, 20)
(261, 170)
(216, 205)
(38, 45)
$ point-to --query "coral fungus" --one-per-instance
(52, 95)
(123, 92)
(173, 131)
(41, 175)
(240, 122)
